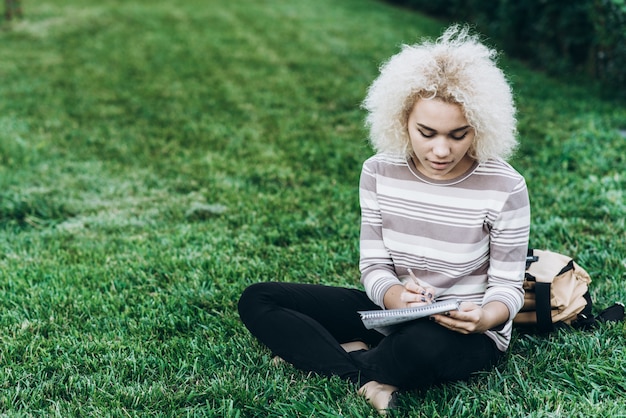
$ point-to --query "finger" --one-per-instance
(423, 290)
(412, 287)
(451, 324)
(458, 315)
(430, 292)
(459, 321)
(417, 304)
(411, 297)
(468, 306)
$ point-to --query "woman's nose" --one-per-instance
(441, 148)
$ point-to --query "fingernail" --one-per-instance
(430, 295)
(423, 299)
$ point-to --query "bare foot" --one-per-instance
(277, 361)
(354, 346)
(379, 395)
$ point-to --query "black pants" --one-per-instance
(305, 325)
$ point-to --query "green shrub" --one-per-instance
(560, 36)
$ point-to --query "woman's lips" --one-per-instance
(440, 165)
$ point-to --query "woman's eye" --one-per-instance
(426, 135)
(459, 137)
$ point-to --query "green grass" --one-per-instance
(158, 157)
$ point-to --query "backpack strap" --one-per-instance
(543, 308)
(613, 313)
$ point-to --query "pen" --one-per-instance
(414, 277)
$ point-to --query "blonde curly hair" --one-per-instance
(456, 68)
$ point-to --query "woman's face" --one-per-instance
(441, 138)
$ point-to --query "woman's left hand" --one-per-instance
(471, 318)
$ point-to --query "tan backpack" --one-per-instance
(556, 292)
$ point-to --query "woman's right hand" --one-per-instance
(408, 295)
(417, 294)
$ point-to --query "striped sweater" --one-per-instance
(466, 237)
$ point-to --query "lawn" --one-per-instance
(158, 157)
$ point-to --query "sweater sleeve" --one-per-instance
(508, 246)
(376, 265)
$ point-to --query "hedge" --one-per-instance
(560, 36)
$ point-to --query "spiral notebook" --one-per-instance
(384, 318)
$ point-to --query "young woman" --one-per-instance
(438, 201)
